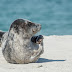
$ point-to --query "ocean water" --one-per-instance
(55, 16)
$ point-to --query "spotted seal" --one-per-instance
(17, 47)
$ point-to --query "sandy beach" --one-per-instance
(57, 57)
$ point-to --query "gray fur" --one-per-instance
(17, 46)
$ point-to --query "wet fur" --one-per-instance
(16, 44)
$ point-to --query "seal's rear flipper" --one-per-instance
(1, 34)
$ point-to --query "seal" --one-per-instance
(37, 39)
(17, 47)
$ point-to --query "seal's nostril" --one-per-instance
(37, 25)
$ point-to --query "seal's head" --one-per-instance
(25, 27)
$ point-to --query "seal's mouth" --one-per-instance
(36, 29)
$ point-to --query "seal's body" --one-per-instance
(17, 46)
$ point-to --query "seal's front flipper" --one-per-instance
(37, 39)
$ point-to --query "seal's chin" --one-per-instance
(35, 31)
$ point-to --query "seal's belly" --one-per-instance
(36, 53)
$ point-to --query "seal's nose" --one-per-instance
(39, 25)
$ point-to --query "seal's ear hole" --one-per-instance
(29, 24)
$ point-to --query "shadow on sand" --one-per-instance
(43, 60)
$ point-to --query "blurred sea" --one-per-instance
(55, 16)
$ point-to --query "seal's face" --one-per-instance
(25, 26)
(33, 28)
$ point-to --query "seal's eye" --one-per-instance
(29, 24)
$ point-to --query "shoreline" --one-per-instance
(57, 57)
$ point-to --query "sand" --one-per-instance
(57, 57)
